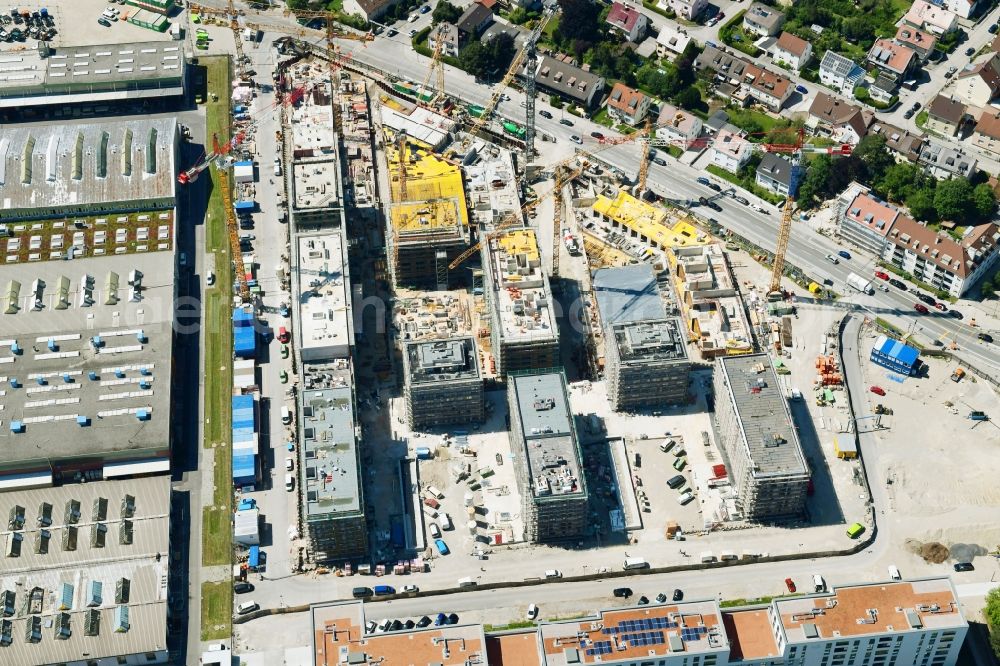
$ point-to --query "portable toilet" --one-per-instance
(96, 342)
(52, 345)
(15, 348)
(68, 378)
(142, 414)
(16, 426)
(93, 376)
(141, 336)
(14, 383)
(41, 381)
(146, 372)
(144, 385)
(119, 373)
(82, 421)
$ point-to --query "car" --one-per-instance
(993, 29)
(532, 612)
(441, 619)
(504, 97)
(412, 34)
(251, 606)
(566, 121)
(956, 314)
(685, 498)
(283, 376)
(371, 626)
(964, 566)
(970, 51)
(597, 135)
(545, 114)
(832, 259)
(409, 624)
(283, 335)
(411, 18)
(289, 464)
(284, 351)
(383, 625)
(289, 482)
(985, 337)
(362, 592)
(105, 22)
(908, 114)
(453, 618)
(210, 278)
(277, 166)
(622, 592)
(392, 32)
(877, 390)
(881, 275)
(643, 601)
(714, 186)
(941, 306)
(576, 139)
(844, 253)
(424, 622)
(916, 106)
(921, 308)
(660, 161)
(396, 625)
(242, 587)
(661, 598)
(742, 200)
(883, 287)
(702, 180)
(284, 310)
(677, 595)
(425, 9)
(898, 284)
(924, 298)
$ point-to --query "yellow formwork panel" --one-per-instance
(432, 185)
(649, 222)
(520, 241)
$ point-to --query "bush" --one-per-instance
(556, 102)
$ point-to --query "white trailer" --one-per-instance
(861, 284)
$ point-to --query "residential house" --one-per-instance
(840, 73)
(762, 20)
(517, 33)
(943, 161)
(448, 34)
(629, 21)
(930, 18)
(678, 127)
(767, 88)
(895, 60)
(903, 145)
(938, 259)
(731, 151)
(843, 122)
(776, 174)
(945, 116)
(883, 88)
(671, 41)
(685, 9)
(922, 43)
(979, 84)
(791, 50)
(627, 105)
(987, 134)
(867, 221)
(474, 20)
(370, 9)
(569, 81)
(995, 44)
(724, 64)
(743, 81)
(961, 8)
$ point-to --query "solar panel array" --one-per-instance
(693, 633)
(643, 624)
(599, 648)
(644, 638)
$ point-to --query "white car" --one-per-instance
(210, 278)
(289, 464)
(277, 166)
(883, 287)
(408, 589)
(532, 612)
(685, 498)
(832, 259)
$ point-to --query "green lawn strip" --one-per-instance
(743, 183)
(216, 610)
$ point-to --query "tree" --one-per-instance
(815, 182)
(872, 151)
(483, 59)
(578, 21)
(984, 201)
(921, 205)
(899, 181)
(689, 98)
(987, 290)
(445, 12)
(664, 82)
(613, 62)
(953, 199)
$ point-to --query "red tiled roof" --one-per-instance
(899, 57)
(625, 99)
(792, 44)
(989, 125)
(623, 16)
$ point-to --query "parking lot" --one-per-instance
(77, 24)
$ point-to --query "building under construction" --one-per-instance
(429, 223)
(523, 332)
(443, 383)
(645, 350)
(768, 468)
(546, 457)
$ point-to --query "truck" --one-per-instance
(863, 285)
(957, 375)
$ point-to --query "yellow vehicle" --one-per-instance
(855, 530)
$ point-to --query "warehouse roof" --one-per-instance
(71, 164)
(766, 425)
(627, 294)
(104, 547)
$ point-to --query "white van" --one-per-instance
(247, 607)
(286, 415)
(435, 493)
(435, 531)
(553, 573)
(894, 573)
(819, 583)
(707, 557)
(289, 482)
(667, 445)
(468, 581)
(635, 563)
(446, 523)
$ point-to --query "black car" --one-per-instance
(678, 595)
(597, 135)
(969, 51)
(623, 592)
(660, 161)
(985, 337)
(105, 22)
(453, 619)
(742, 200)
(424, 622)
(926, 299)
(964, 566)
(956, 314)
(660, 598)
(544, 114)
(916, 106)
(566, 121)
(409, 624)
(898, 284)
(242, 588)
(396, 625)
(908, 114)
(362, 592)
(993, 29)
(714, 186)
(643, 601)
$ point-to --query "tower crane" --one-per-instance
(234, 238)
(640, 185)
(436, 67)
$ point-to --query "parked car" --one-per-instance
(951, 72)
(597, 135)
(742, 200)
(898, 284)
(424, 622)
(970, 51)
(877, 390)
(884, 287)
(993, 29)
(802, 90)
(844, 253)
(661, 598)
(453, 618)
(916, 106)
(908, 114)
(677, 595)
(702, 180)
(714, 186)
(440, 619)
(832, 259)
(566, 121)
(964, 566)
(105, 22)
(242, 587)
(251, 606)
(545, 114)
(881, 275)
(643, 601)
(532, 612)
(425, 9)
(576, 139)
(660, 161)
(924, 298)
(622, 592)
(921, 308)
(985, 337)
(409, 589)
(956, 314)
(685, 498)
(210, 278)
(790, 584)
(941, 306)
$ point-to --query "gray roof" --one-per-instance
(518, 33)
(775, 167)
(763, 15)
(552, 451)
(329, 472)
(81, 164)
(720, 61)
(838, 65)
(768, 431)
(946, 158)
(58, 75)
(472, 17)
(74, 576)
(567, 79)
(431, 361)
(49, 410)
(656, 340)
(627, 294)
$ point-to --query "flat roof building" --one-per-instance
(523, 326)
(85, 362)
(97, 168)
(492, 188)
(442, 383)
(84, 573)
(422, 125)
(645, 350)
(759, 440)
(547, 457)
(103, 73)
(322, 288)
(316, 195)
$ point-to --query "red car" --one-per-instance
(940, 306)
(877, 390)
(790, 584)
(284, 337)
(881, 275)
(921, 308)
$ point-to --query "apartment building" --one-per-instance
(568, 81)
(629, 21)
(945, 116)
(443, 385)
(987, 133)
(685, 9)
(930, 18)
(866, 221)
(776, 174)
(838, 120)
(980, 84)
(791, 50)
(730, 151)
(671, 41)
(679, 127)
